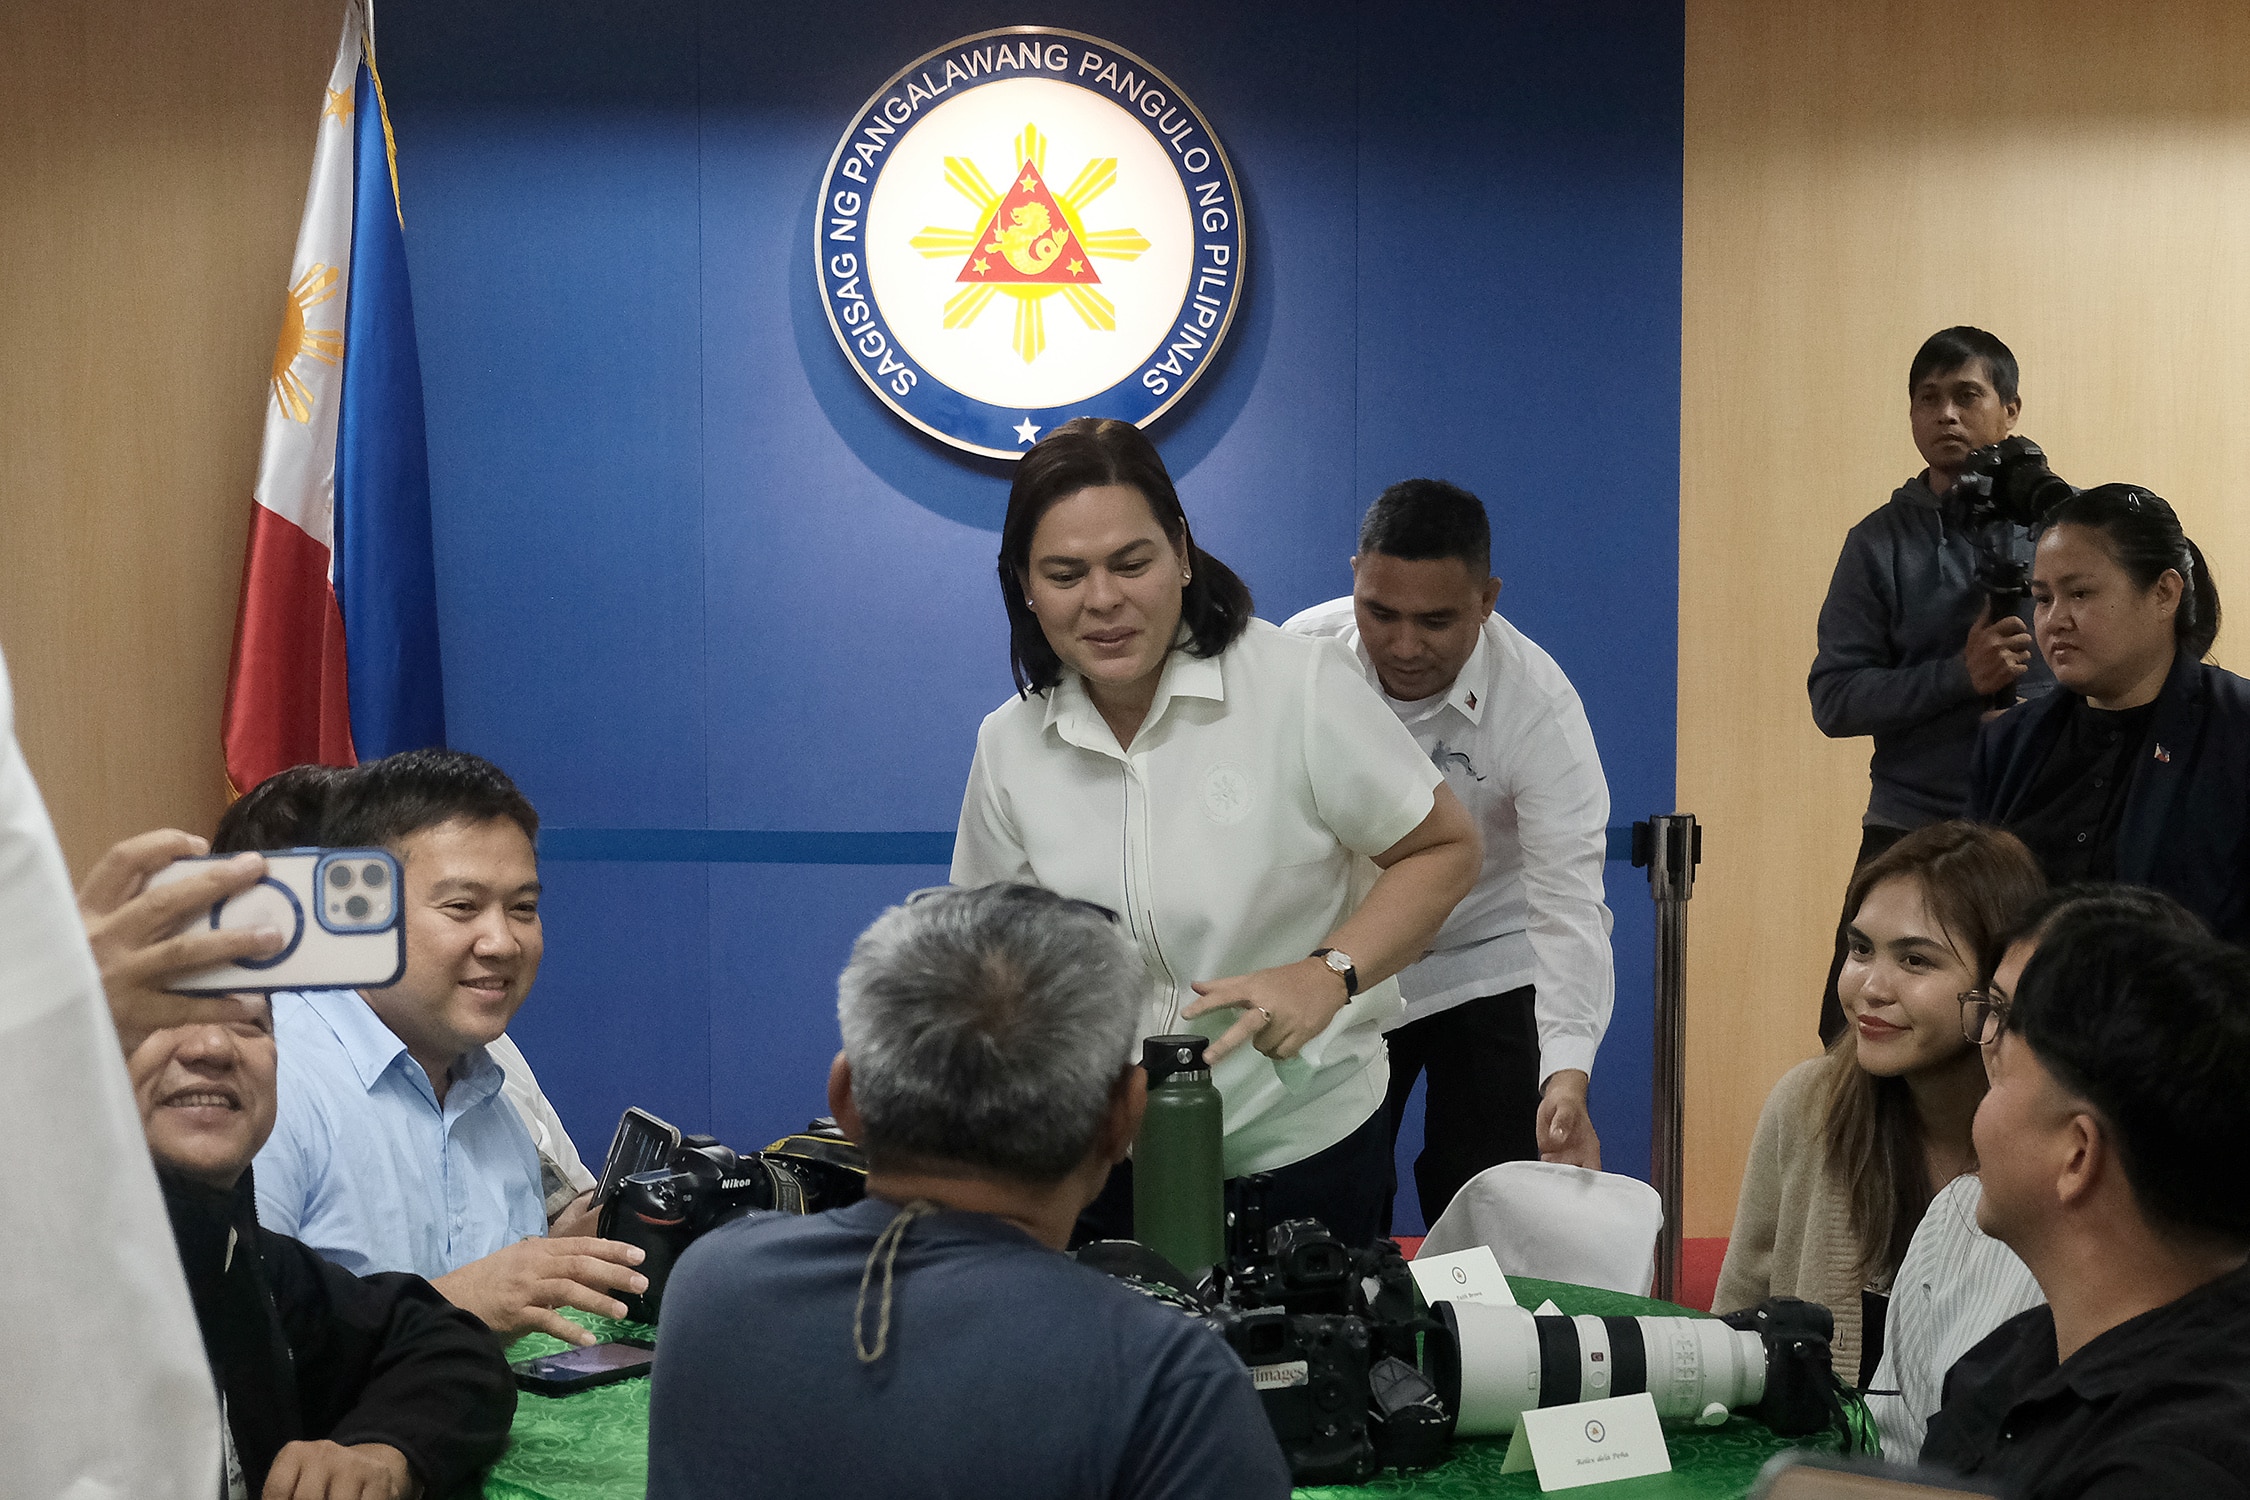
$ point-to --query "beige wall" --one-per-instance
(2073, 175)
(153, 161)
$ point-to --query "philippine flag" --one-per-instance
(336, 644)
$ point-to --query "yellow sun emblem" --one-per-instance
(1018, 245)
(316, 286)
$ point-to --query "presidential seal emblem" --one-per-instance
(1025, 226)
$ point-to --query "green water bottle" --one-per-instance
(1179, 1204)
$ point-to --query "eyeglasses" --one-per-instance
(1016, 891)
(1983, 1016)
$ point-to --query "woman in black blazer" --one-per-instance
(2137, 767)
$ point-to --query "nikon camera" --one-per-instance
(663, 1191)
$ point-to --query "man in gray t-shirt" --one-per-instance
(931, 1340)
(1909, 651)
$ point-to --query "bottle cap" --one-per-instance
(1162, 1056)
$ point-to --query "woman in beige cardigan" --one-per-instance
(1851, 1146)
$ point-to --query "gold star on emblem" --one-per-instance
(979, 264)
(1029, 182)
(1076, 266)
(339, 105)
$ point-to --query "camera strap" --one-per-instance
(884, 1249)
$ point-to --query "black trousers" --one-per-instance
(1873, 840)
(1482, 1059)
(1345, 1187)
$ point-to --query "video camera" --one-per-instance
(663, 1191)
(1357, 1375)
(2009, 490)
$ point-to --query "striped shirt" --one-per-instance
(1955, 1286)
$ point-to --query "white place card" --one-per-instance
(1590, 1442)
(1470, 1275)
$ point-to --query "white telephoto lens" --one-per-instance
(1693, 1362)
(1685, 1364)
(1499, 1367)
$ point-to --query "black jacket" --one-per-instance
(1892, 628)
(303, 1349)
(2186, 824)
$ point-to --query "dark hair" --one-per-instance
(2144, 537)
(1974, 880)
(1949, 349)
(1085, 453)
(385, 801)
(2151, 1026)
(1419, 519)
(285, 811)
(2091, 901)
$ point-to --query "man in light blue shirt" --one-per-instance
(360, 1125)
(394, 1148)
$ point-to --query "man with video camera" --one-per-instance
(931, 1340)
(1912, 651)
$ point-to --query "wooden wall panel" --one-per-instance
(153, 161)
(2073, 175)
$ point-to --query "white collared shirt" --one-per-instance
(1955, 1286)
(1512, 740)
(1234, 835)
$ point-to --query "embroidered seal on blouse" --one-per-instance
(1226, 793)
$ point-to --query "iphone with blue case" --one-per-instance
(341, 911)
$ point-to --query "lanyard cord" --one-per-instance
(885, 1248)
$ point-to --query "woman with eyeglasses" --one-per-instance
(1270, 836)
(2137, 767)
(1852, 1145)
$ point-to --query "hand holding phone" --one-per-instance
(136, 933)
(339, 913)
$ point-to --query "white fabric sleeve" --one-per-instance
(1371, 783)
(986, 847)
(1562, 826)
(122, 1403)
(558, 1154)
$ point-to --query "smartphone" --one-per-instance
(583, 1369)
(643, 1143)
(339, 909)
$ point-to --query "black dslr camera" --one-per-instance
(663, 1191)
(2007, 487)
(1333, 1338)
(1356, 1375)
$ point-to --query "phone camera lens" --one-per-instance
(339, 876)
(373, 875)
(357, 908)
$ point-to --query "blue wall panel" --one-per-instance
(692, 575)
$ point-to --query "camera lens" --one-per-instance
(339, 876)
(357, 908)
(374, 875)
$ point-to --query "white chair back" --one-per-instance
(1557, 1223)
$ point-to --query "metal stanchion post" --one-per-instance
(1670, 845)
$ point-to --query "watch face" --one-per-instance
(1336, 961)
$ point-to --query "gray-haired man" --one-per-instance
(930, 1340)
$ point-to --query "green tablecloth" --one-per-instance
(594, 1445)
